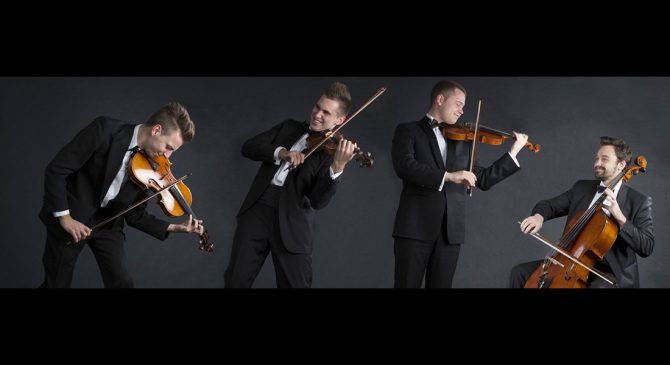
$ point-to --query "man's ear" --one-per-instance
(156, 129)
(440, 99)
(623, 163)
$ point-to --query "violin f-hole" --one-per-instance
(566, 274)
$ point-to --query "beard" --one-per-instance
(601, 174)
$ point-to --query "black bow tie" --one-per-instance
(305, 128)
(434, 123)
(134, 149)
(601, 188)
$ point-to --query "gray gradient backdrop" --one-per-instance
(354, 247)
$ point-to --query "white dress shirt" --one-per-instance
(298, 146)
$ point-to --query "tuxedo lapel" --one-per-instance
(295, 132)
(587, 196)
(117, 151)
(621, 200)
(437, 155)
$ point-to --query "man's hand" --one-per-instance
(74, 228)
(189, 226)
(521, 140)
(463, 177)
(294, 158)
(611, 205)
(343, 154)
(532, 224)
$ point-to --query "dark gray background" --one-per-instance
(354, 247)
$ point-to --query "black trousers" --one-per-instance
(256, 236)
(520, 274)
(414, 259)
(107, 245)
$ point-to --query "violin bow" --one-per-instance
(136, 204)
(572, 258)
(474, 143)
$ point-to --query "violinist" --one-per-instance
(630, 209)
(87, 182)
(430, 220)
(277, 215)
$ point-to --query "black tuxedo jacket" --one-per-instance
(306, 188)
(80, 174)
(635, 237)
(418, 162)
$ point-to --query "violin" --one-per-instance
(479, 133)
(154, 173)
(485, 135)
(328, 141)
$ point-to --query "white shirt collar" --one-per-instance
(133, 141)
(616, 187)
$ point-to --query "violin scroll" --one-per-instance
(205, 245)
(533, 147)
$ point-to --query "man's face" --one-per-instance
(163, 144)
(606, 164)
(451, 108)
(325, 115)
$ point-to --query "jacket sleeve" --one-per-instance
(69, 160)
(323, 187)
(555, 207)
(139, 218)
(638, 232)
(406, 165)
(262, 147)
(501, 169)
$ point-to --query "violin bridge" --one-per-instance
(554, 261)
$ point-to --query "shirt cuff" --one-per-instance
(514, 159)
(333, 175)
(276, 155)
(61, 213)
(444, 177)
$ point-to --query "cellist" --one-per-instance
(629, 208)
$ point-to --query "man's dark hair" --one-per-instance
(174, 116)
(339, 92)
(622, 150)
(447, 87)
